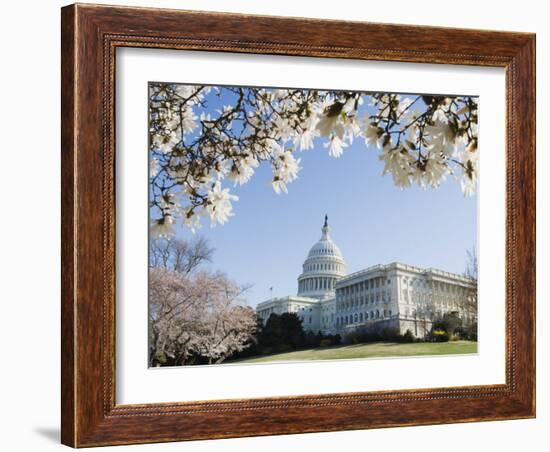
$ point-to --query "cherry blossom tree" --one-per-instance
(197, 150)
(227, 325)
(196, 315)
(174, 307)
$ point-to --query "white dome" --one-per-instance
(323, 266)
(325, 247)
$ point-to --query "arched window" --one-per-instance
(346, 320)
(372, 315)
(355, 318)
(361, 317)
(377, 314)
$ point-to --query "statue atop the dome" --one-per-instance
(326, 221)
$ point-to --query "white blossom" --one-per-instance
(191, 219)
(374, 135)
(242, 169)
(285, 170)
(335, 146)
(397, 162)
(219, 205)
(185, 91)
(441, 137)
(468, 180)
(162, 227)
(440, 116)
(304, 139)
(165, 143)
(188, 121)
(328, 125)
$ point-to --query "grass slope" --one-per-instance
(373, 350)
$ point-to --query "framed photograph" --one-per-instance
(281, 225)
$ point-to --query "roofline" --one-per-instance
(405, 267)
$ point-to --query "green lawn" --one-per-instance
(374, 350)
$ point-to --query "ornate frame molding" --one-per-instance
(90, 37)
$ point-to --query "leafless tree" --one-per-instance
(472, 273)
(471, 264)
(180, 256)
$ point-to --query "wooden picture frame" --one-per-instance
(90, 36)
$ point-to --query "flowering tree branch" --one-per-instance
(421, 140)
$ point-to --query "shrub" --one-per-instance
(159, 359)
(390, 334)
(312, 340)
(471, 332)
(440, 336)
(352, 338)
(451, 323)
(407, 338)
(325, 342)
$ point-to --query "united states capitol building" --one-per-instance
(399, 296)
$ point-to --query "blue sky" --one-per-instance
(372, 221)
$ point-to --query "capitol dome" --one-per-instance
(323, 266)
